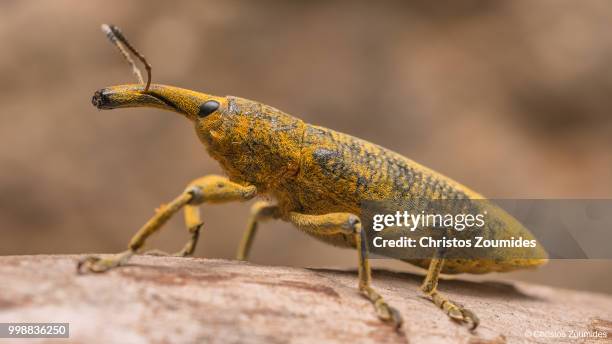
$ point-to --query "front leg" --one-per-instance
(208, 189)
(350, 225)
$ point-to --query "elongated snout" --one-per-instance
(127, 96)
(183, 101)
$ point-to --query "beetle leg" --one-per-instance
(453, 310)
(208, 189)
(260, 211)
(349, 224)
(193, 224)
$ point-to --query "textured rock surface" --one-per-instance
(189, 300)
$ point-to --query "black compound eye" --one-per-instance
(208, 108)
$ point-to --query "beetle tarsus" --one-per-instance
(98, 264)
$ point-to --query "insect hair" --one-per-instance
(116, 37)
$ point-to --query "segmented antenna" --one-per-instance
(116, 37)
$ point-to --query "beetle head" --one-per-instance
(195, 106)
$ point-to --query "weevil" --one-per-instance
(318, 179)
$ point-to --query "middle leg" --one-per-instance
(350, 225)
(260, 211)
(452, 309)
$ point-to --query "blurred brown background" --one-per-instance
(512, 98)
